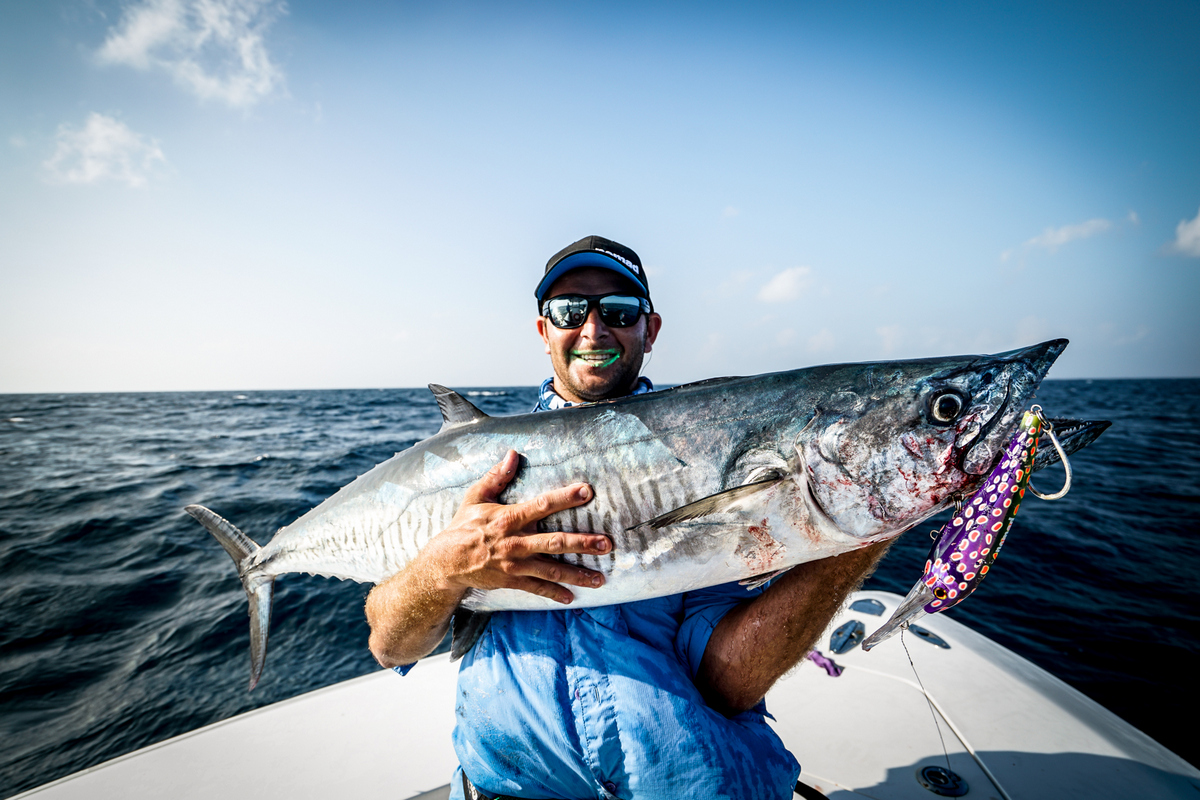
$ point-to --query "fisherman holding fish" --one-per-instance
(587, 581)
(650, 699)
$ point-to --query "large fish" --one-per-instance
(717, 481)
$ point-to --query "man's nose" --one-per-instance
(593, 326)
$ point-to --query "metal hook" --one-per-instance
(1049, 429)
(958, 507)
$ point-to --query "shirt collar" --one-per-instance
(549, 400)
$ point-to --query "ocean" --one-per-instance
(122, 622)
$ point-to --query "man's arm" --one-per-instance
(487, 546)
(759, 640)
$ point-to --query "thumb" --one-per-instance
(488, 488)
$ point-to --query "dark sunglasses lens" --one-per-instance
(616, 311)
(620, 312)
(568, 312)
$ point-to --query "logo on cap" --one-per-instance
(622, 259)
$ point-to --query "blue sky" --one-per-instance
(243, 194)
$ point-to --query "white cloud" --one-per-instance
(214, 48)
(785, 337)
(821, 342)
(1187, 236)
(785, 286)
(1053, 238)
(730, 211)
(104, 148)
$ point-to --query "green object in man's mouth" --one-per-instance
(597, 359)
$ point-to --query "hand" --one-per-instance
(489, 545)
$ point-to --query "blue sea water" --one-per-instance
(122, 622)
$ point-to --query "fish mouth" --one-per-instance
(1023, 371)
(965, 457)
(1073, 435)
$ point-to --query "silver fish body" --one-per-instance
(698, 485)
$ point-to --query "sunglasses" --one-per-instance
(616, 310)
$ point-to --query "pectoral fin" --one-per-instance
(718, 503)
(465, 629)
(759, 581)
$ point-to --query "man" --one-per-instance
(654, 699)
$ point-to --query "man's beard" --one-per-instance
(618, 384)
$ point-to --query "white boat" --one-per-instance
(1011, 730)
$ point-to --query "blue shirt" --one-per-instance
(601, 703)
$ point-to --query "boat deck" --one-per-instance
(1011, 729)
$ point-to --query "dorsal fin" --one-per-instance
(456, 409)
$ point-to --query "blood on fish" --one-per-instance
(765, 550)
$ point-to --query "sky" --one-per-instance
(252, 195)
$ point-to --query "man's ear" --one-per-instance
(653, 325)
(541, 329)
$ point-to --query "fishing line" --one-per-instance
(932, 713)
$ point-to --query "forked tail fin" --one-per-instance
(259, 588)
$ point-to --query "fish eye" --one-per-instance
(945, 407)
(939, 593)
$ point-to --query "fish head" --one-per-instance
(968, 544)
(896, 442)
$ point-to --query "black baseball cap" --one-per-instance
(595, 251)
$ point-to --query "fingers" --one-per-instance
(518, 517)
(544, 576)
(544, 589)
(524, 514)
(508, 557)
(558, 543)
(494, 481)
(530, 558)
(529, 567)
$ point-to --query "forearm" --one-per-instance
(760, 640)
(410, 613)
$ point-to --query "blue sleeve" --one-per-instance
(702, 610)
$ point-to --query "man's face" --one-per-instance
(595, 362)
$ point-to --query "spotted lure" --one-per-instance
(968, 544)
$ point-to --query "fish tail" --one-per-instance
(259, 588)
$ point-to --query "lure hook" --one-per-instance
(1049, 429)
(958, 507)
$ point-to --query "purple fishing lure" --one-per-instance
(968, 544)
